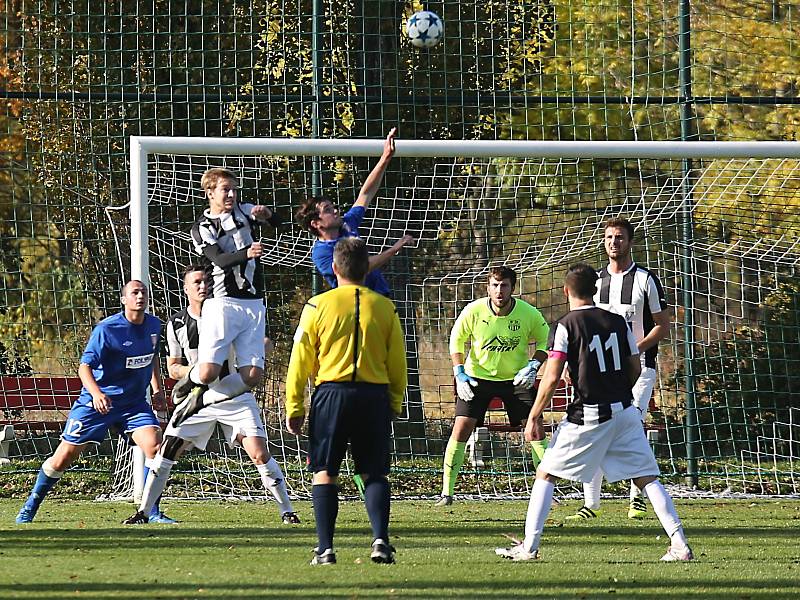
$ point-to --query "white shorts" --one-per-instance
(238, 416)
(233, 322)
(618, 447)
(643, 390)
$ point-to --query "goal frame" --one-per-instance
(142, 147)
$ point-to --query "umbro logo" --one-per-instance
(128, 343)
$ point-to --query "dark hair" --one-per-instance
(581, 280)
(622, 223)
(503, 272)
(351, 258)
(124, 288)
(308, 212)
(191, 268)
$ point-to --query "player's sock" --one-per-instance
(358, 481)
(45, 481)
(538, 509)
(453, 459)
(666, 513)
(194, 375)
(636, 492)
(537, 451)
(591, 491)
(376, 499)
(155, 483)
(275, 483)
(325, 499)
(157, 505)
(228, 387)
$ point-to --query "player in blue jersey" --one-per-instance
(119, 362)
(322, 219)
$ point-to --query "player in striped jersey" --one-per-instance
(499, 328)
(601, 429)
(239, 417)
(234, 311)
(637, 295)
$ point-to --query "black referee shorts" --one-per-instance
(358, 413)
(517, 401)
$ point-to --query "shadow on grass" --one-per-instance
(324, 587)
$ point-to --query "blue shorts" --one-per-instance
(357, 413)
(85, 424)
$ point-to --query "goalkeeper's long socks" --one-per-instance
(666, 513)
(155, 483)
(591, 491)
(274, 482)
(538, 448)
(453, 459)
(325, 498)
(228, 387)
(538, 509)
(45, 481)
(376, 499)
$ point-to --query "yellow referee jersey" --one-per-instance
(349, 333)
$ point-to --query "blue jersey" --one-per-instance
(322, 253)
(121, 356)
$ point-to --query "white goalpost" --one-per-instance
(534, 205)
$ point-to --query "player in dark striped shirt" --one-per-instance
(234, 314)
(602, 429)
(636, 294)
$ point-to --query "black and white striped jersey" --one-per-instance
(594, 343)
(183, 339)
(635, 295)
(224, 241)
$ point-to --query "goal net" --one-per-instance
(718, 222)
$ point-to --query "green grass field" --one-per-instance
(77, 549)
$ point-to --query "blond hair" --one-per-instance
(211, 177)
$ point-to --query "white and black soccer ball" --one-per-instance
(425, 29)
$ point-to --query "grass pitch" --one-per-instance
(222, 551)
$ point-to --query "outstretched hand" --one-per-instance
(388, 145)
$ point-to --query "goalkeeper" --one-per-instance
(499, 328)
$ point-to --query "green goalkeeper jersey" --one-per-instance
(498, 345)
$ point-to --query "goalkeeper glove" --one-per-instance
(464, 383)
(526, 376)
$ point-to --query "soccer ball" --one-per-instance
(425, 29)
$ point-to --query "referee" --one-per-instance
(349, 339)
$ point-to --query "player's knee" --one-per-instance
(641, 482)
(260, 456)
(63, 457)
(208, 372)
(252, 377)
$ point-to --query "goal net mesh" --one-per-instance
(735, 280)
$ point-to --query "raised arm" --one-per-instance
(377, 261)
(373, 182)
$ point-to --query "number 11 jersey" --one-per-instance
(595, 343)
